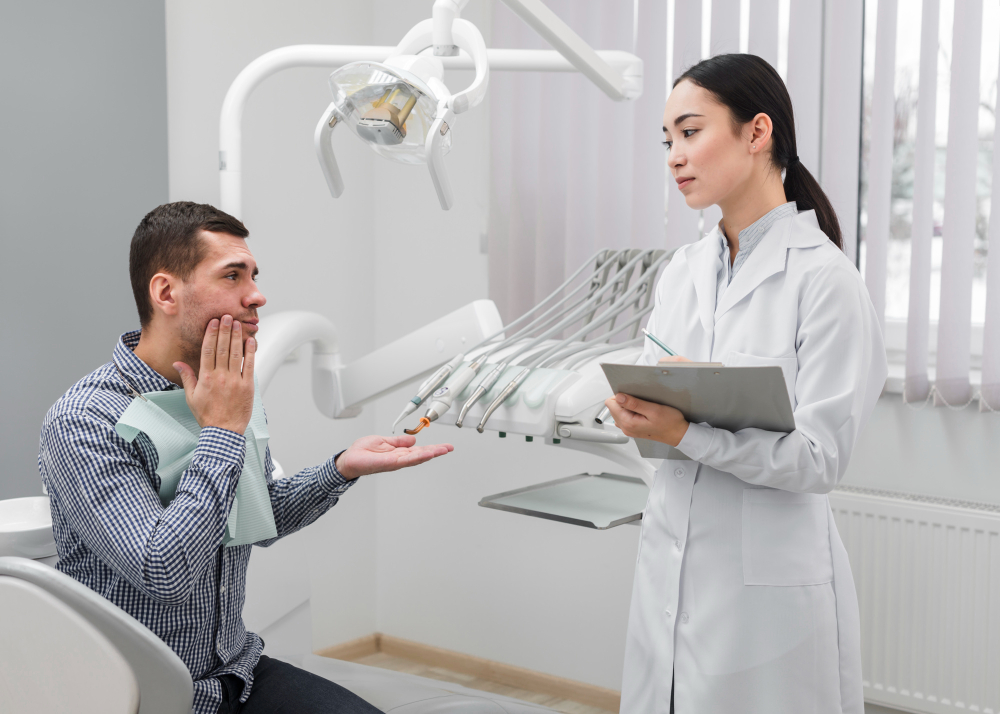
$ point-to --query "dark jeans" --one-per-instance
(279, 687)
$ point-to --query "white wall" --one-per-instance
(314, 253)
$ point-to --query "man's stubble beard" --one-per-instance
(193, 329)
(193, 334)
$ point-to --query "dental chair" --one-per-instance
(63, 647)
(108, 649)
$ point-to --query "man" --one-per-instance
(193, 278)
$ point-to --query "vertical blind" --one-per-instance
(950, 380)
(571, 170)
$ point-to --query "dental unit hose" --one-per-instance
(433, 382)
(626, 302)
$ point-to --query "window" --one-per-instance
(907, 78)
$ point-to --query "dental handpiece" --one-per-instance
(502, 397)
(488, 381)
(431, 384)
(442, 399)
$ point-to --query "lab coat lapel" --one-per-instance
(704, 263)
(767, 259)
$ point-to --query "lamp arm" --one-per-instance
(231, 119)
(570, 45)
(445, 12)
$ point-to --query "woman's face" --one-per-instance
(707, 159)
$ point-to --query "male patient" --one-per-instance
(193, 278)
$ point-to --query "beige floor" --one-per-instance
(400, 664)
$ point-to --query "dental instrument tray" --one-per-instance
(730, 398)
(598, 501)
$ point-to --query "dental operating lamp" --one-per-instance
(394, 98)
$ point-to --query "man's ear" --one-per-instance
(164, 292)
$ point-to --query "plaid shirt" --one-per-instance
(166, 567)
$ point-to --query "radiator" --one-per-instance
(928, 577)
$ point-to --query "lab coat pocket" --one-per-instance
(789, 367)
(786, 538)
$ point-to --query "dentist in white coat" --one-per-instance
(743, 601)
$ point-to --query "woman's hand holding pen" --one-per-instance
(640, 419)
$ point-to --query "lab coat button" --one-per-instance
(679, 473)
(684, 617)
(677, 544)
(667, 613)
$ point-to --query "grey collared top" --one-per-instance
(750, 237)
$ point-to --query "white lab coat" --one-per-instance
(742, 584)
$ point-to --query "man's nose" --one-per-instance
(255, 299)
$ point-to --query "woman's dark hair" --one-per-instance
(749, 86)
(168, 239)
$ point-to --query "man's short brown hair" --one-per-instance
(167, 241)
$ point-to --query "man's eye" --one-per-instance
(232, 276)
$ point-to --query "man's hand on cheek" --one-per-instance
(221, 395)
(376, 454)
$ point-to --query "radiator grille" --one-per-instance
(928, 580)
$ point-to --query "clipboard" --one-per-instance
(730, 398)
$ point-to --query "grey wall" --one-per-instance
(83, 156)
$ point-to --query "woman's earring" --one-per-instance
(753, 146)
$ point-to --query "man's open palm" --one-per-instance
(376, 454)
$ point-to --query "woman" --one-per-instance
(743, 601)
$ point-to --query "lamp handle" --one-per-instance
(324, 151)
(434, 148)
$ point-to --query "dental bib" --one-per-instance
(168, 422)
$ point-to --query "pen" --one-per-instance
(659, 344)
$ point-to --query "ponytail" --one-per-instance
(749, 86)
(801, 187)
